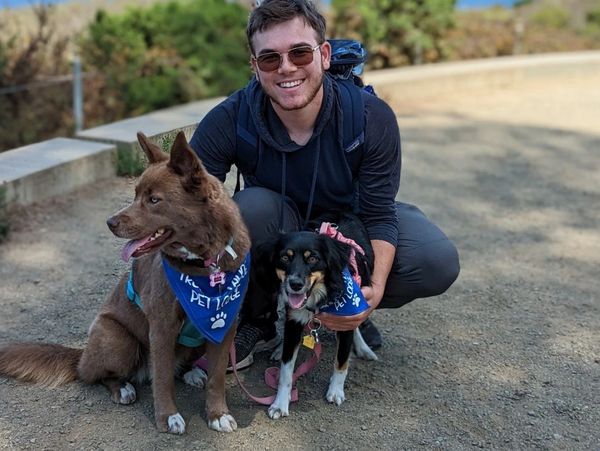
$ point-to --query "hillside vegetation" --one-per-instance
(149, 54)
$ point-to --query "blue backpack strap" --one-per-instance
(353, 114)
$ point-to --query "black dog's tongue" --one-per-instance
(296, 300)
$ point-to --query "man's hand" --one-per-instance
(384, 256)
(373, 297)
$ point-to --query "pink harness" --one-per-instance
(329, 229)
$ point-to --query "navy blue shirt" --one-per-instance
(375, 165)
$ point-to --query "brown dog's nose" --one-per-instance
(112, 222)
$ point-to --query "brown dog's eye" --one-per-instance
(154, 200)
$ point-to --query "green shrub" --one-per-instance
(480, 34)
(130, 161)
(396, 32)
(551, 16)
(168, 54)
(592, 23)
(592, 17)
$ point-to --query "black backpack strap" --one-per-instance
(354, 114)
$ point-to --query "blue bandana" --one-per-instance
(351, 302)
(211, 308)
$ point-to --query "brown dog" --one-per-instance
(182, 214)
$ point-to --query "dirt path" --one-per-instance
(509, 358)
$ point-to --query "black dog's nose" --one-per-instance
(296, 284)
(112, 222)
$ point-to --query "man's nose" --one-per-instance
(286, 64)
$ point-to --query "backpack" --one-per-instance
(347, 62)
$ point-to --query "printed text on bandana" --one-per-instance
(351, 302)
(215, 303)
(211, 309)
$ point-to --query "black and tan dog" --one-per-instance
(307, 269)
(184, 215)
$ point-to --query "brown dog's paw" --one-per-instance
(125, 394)
(224, 423)
(173, 424)
(196, 377)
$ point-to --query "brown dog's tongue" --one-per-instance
(296, 300)
(133, 246)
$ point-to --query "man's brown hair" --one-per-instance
(274, 12)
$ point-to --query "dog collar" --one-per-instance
(211, 306)
(214, 261)
(208, 262)
(350, 302)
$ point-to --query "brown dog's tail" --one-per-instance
(46, 364)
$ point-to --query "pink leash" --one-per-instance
(329, 229)
(271, 374)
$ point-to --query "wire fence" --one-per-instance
(76, 78)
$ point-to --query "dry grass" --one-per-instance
(69, 17)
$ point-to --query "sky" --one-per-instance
(461, 4)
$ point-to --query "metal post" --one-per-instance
(77, 94)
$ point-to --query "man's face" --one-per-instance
(292, 87)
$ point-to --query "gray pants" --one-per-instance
(426, 261)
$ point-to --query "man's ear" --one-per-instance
(185, 163)
(326, 55)
(152, 151)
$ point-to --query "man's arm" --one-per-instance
(214, 138)
(379, 180)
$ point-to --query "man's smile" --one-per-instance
(290, 84)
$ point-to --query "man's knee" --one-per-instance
(261, 212)
(257, 204)
(428, 270)
(440, 267)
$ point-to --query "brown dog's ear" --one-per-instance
(185, 162)
(152, 151)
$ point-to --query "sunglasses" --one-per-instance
(298, 56)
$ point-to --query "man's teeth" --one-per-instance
(290, 84)
(158, 233)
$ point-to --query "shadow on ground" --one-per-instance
(508, 358)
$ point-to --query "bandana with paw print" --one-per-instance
(211, 307)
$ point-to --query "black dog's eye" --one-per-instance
(312, 260)
(285, 258)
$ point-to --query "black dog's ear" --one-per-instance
(263, 269)
(337, 255)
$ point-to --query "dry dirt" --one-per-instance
(508, 358)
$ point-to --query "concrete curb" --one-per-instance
(35, 172)
(161, 126)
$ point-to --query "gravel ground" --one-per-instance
(508, 358)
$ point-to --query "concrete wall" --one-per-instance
(38, 171)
